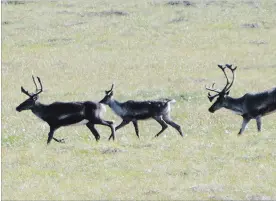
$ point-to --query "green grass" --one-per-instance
(148, 53)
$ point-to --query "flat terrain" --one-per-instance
(150, 49)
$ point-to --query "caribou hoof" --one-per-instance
(111, 136)
(61, 141)
(155, 136)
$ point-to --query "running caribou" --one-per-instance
(249, 106)
(60, 114)
(132, 111)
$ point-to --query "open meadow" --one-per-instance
(150, 49)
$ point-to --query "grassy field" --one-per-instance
(150, 49)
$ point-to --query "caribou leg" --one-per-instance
(109, 124)
(259, 123)
(244, 123)
(51, 136)
(93, 130)
(135, 124)
(169, 121)
(122, 124)
(162, 123)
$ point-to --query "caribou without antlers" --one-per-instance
(60, 114)
(132, 111)
(249, 106)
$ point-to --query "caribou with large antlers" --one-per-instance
(249, 106)
(60, 114)
(132, 111)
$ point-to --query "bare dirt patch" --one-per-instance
(256, 42)
(71, 24)
(251, 4)
(180, 3)
(250, 25)
(105, 13)
(15, 2)
(151, 192)
(65, 5)
(66, 12)
(178, 20)
(220, 4)
(259, 197)
(207, 188)
(52, 41)
(111, 150)
(259, 67)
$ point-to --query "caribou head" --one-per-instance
(108, 96)
(33, 97)
(221, 94)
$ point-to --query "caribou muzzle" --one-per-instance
(18, 108)
(211, 110)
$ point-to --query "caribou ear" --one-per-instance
(35, 97)
(227, 93)
(109, 93)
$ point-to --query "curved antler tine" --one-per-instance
(227, 80)
(233, 78)
(41, 88)
(212, 89)
(25, 92)
(221, 67)
(211, 98)
(36, 89)
(233, 68)
(39, 80)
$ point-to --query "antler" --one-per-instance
(108, 91)
(37, 91)
(212, 89)
(25, 92)
(211, 97)
(227, 80)
(233, 78)
(228, 85)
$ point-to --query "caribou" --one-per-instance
(132, 111)
(60, 114)
(249, 106)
